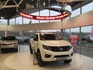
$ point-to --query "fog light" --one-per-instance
(47, 55)
(72, 54)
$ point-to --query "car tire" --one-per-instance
(16, 49)
(31, 51)
(67, 61)
(39, 59)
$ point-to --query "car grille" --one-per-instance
(6, 44)
(60, 48)
(58, 56)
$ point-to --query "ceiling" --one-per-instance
(8, 13)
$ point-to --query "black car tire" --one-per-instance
(16, 49)
(31, 50)
(39, 59)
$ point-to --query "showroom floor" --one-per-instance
(23, 60)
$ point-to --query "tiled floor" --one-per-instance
(23, 60)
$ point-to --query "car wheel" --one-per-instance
(31, 51)
(16, 49)
(40, 62)
(67, 61)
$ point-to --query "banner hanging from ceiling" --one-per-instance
(63, 14)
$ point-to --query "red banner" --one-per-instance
(56, 17)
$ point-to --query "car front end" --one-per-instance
(55, 52)
(8, 44)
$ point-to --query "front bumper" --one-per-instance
(8, 46)
(56, 56)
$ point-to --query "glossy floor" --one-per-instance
(23, 60)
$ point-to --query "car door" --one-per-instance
(35, 42)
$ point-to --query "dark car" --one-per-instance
(87, 38)
(23, 39)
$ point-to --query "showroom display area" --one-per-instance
(24, 61)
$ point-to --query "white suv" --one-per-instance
(48, 47)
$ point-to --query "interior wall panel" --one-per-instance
(85, 19)
(3, 27)
(40, 26)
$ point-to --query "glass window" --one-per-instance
(9, 38)
(12, 21)
(3, 22)
(75, 29)
(86, 29)
(45, 13)
(75, 12)
(19, 20)
(87, 7)
(49, 37)
(26, 21)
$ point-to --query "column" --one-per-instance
(6, 32)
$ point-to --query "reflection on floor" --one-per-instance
(23, 60)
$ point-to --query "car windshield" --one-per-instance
(49, 37)
(9, 38)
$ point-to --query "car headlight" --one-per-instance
(70, 46)
(46, 47)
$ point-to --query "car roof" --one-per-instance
(86, 35)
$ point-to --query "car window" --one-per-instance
(48, 37)
(36, 37)
(9, 38)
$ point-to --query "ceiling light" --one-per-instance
(2, 17)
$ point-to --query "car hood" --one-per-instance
(55, 43)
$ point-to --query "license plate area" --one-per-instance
(62, 58)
